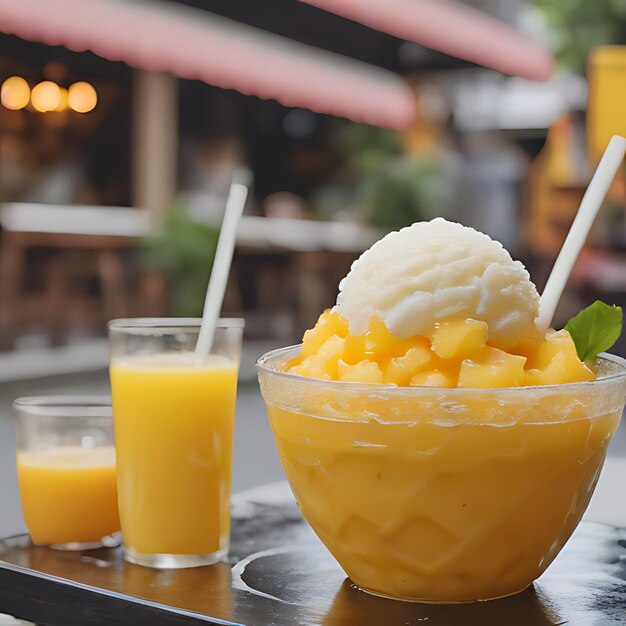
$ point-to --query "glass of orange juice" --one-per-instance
(174, 419)
(66, 470)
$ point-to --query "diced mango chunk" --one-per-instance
(554, 361)
(459, 338)
(328, 324)
(401, 369)
(322, 364)
(562, 368)
(362, 372)
(380, 342)
(492, 368)
(554, 343)
(354, 349)
(432, 378)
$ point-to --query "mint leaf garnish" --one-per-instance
(595, 329)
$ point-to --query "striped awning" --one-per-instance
(452, 28)
(160, 36)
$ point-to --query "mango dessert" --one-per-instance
(456, 355)
(440, 446)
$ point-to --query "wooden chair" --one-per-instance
(78, 244)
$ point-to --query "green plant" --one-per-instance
(581, 25)
(399, 190)
(183, 251)
(396, 188)
(364, 145)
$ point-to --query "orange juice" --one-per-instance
(69, 494)
(173, 433)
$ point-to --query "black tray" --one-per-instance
(281, 574)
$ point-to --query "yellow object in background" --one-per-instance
(69, 494)
(606, 113)
(173, 433)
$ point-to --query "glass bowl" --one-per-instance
(442, 495)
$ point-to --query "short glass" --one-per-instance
(442, 495)
(66, 470)
(174, 421)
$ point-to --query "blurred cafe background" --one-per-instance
(122, 124)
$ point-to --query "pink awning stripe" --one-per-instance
(163, 37)
(452, 28)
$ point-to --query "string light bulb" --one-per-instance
(46, 96)
(15, 93)
(82, 97)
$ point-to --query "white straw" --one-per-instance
(589, 207)
(221, 267)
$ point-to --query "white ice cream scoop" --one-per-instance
(436, 271)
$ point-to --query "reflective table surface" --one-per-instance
(280, 574)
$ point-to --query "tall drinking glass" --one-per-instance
(174, 420)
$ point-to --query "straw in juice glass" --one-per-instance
(221, 266)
